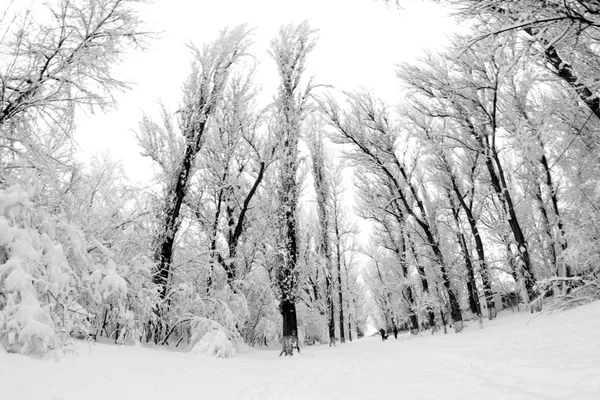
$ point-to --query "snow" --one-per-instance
(113, 283)
(517, 356)
(17, 279)
(215, 342)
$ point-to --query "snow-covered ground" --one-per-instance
(517, 356)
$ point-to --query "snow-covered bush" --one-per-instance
(212, 339)
(36, 309)
(123, 299)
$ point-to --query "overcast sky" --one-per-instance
(359, 42)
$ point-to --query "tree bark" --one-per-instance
(424, 283)
(290, 326)
(340, 297)
(471, 283)
(289, 51)
(163, 255)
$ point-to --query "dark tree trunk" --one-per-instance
(548, 243)
(288, 313)
(554, 200)
(236, 229)
(392, 318)
(435, 248)
(499, 184)
(565, 71)
(349, 327)
(454, 305)
(414, 321)
(289, 51)
(331, 311)
(349, 308)
(443, 320)
(287, 272)
(498, 181)
(163, 255)
(501, 188)
(425, 287)
(322, 191)
(483, 269)
(401, 253)
(341, 301)
(287, 276)
(471, 283)
(514, 270)
(290, 327)
(339, 280)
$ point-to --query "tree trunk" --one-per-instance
(554, 199)
(349, 327)
(483, 269)
(290, 327)
(500, 186)
(548, 243)
(471, 283)
(341, 302)
(331, 311)
(425, 288)
(339, 280)
(163, 255)
(237, 229)
(414, 321)
(565, 71)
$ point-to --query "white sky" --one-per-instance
(359, 43)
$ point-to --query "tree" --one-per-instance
(453, 169)
(563, 33)
(234, 161)
(322, 183)
(467, 91)
(343, 234)
(201, 94)
(53, 61)
(369, 129)
(376, 203)
(62, 56)
(290, 50)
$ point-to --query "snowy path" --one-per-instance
(514, 357)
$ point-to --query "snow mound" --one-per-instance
(113, 283)
(212, 339)
(215, 343)
(37, 338)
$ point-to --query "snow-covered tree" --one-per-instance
(368, 127)
(202, 92)
(322, 183)
(290, 50)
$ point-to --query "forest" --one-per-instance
(317, 218)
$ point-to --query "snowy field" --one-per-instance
(517, 356)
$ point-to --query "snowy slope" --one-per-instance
(517, 356)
